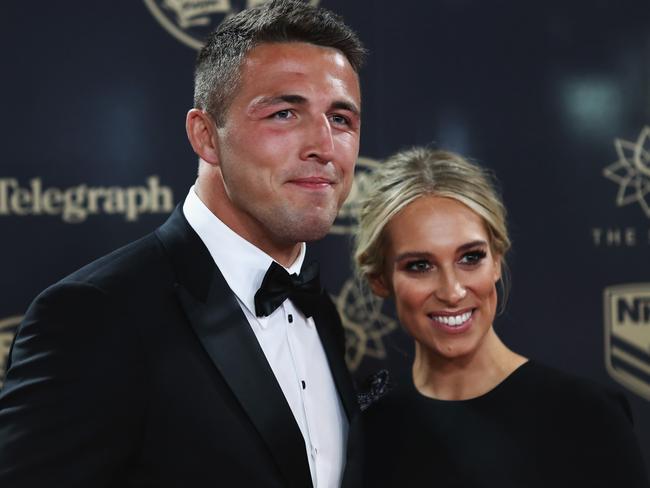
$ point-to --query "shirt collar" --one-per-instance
(242, 264)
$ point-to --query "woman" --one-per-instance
(433, 237)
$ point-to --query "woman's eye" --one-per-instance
(418, 266)
(472, 257)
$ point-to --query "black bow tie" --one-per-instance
(278, 285)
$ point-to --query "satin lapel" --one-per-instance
(332, 336)
(224, 332)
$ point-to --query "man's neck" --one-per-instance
(282, 251)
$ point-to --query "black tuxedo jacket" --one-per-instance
(140, 370)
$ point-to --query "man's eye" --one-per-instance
(340, 119)
(417, 266)
(282, 114)
(473, 257)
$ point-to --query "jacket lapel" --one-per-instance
(226, 336)
(332, 336)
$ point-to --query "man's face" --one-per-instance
(289, 143)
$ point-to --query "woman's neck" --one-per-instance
(465, 377)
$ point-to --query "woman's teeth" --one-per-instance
(452, 320)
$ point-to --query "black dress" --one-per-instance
(538, 428)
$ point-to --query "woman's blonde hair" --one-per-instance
(418, 172)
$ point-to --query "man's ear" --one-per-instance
(378, 285)
(202, 133)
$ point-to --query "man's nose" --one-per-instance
(319, 143)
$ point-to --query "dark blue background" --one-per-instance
(97, 92)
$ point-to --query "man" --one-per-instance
(162, 364)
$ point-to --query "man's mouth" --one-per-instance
(315, 182)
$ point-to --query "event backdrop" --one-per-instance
(554, 96)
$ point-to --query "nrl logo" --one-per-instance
(632, 171)
(627, 336)
(7, 331)
(190, 21)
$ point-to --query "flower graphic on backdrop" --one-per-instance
(365, 324)
(632, 171)
(190, 21)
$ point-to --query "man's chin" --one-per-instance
(309, 228)
(316, 231)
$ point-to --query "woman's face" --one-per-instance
(442, 274)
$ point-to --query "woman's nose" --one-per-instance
(450, 290)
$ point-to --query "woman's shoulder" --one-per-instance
(595, 423)
(393, 395)
(400, 411)
(538, 375)
(538, 382)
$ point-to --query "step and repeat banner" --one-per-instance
(554, 96)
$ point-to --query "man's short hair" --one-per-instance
(218, 65)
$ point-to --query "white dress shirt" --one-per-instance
(289, 340)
